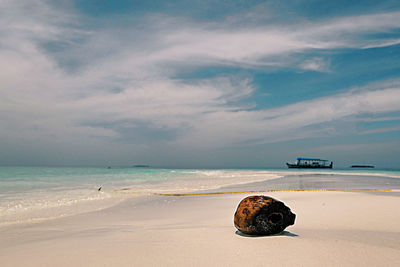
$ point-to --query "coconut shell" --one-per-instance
(262, 215)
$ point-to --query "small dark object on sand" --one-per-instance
(262, 215)
(99, 189)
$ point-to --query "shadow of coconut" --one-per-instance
(283, 233)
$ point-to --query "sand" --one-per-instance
(331, 229)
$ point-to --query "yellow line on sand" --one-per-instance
(264, 191)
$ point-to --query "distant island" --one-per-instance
(133, 166)
(362, 166)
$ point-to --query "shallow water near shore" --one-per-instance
(29, 194)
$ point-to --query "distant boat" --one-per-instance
(362, 166)
(308, 163)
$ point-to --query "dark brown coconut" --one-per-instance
(262, 215)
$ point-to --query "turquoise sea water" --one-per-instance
(36, 193)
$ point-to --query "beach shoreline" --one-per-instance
(331, 229)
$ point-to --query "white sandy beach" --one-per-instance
(331, 229)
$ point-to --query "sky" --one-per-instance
(200, 83)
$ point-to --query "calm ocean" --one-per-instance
(29, 194)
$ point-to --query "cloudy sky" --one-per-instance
(199, 83)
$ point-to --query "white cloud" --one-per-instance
(384, 43)
(315, 64)
(386, 118)
(291, 121)
(106, 77)
(256, 46)
(381, 130)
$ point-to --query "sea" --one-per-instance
(34, 194)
